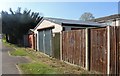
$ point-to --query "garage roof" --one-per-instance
(68, 21)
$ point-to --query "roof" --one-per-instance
(111, 17)
(31, 31)
(68, 21)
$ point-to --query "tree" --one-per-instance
(17, 23)
(87, 16)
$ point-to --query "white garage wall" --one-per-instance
(45, 23)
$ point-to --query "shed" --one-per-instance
(48, 28)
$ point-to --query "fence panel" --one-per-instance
(112, 50)
(73, 47)
(98, 50)
(118, 51)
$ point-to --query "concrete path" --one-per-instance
(9, 62)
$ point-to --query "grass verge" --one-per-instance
(8, 44)
(41, 64)
(18, 52)
(37, 68)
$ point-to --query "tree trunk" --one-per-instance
(6, 37)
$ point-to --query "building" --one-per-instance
(112, 20)
(47, 28)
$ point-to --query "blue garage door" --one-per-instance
(41, 41)
(45, 41)
(48, 46)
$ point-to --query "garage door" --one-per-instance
(41, 43)
(45, 41)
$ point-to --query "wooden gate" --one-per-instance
(73, 47)
(98, 49)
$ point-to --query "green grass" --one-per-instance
(8, 44)
(18, 52)
(37, 68)
(30, 68)
(3, 40)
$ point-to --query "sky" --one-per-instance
(66, 10)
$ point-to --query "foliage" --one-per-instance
(87, 16)
(17, 23)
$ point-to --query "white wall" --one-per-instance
(118, 22)
(45, 23)
(113, 22)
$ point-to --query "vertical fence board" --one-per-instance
(77, 47)
(67, 55)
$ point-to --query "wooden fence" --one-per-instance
(96, 49)
(73, 47)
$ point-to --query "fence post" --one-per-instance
(108, 49)
(60, 45)
(87, 61)
(1, 46)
